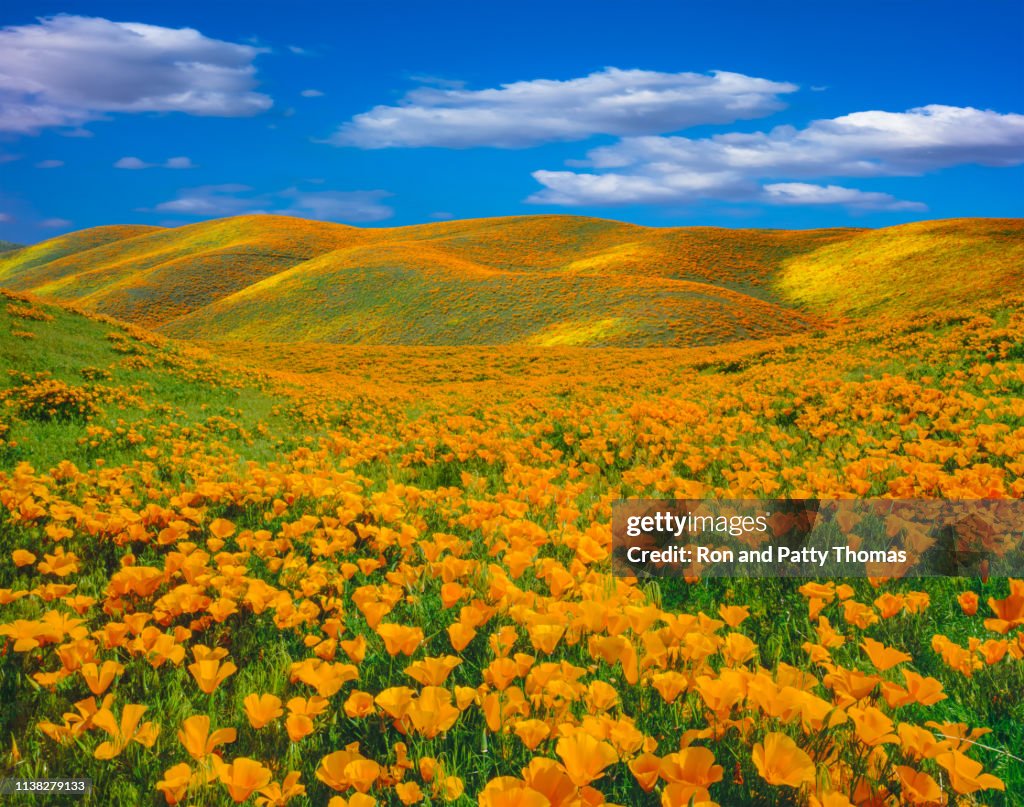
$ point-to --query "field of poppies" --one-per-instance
(348, 575)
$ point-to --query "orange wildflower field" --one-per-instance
(285, 572)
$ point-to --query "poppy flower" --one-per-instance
(691, 766)
(242, 777)
(399, 638)
(883, 657)
(873, 726)
(585, 757)
(210, 673)
(279, 794)
(965, 774)
(780, 762)
(22, 557)
(968, 602)
(175, 783)
(359, 705)
(409, 793)
(362, 774)
(432, 712)
(98, 679)
(261, 709)
(197, 739)
(646, 768)
(531, 732)
(432, 671)
(917, 787)
(124, 731)
(331, 770)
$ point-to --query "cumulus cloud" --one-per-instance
(55, 224)
(208, 201)
(49, 164)
(311, 93)
(6, 217)
(135, 164)
(526, 113)
(806, 193)
(655, 170)
(67, 70)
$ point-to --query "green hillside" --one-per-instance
(925, 266)
(540, 280)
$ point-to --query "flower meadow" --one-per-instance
(354, 575)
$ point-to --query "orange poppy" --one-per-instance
(585, 757)
(210, 673)
(195, 736)
(781, 762)
(261, 709)
(242, 777)
(98, 679)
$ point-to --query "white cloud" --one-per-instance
(135, 164)
(806, 193)
(667, 170)
(67, 70)
(233, 200)
(311, 94)
(6, 217)
(525, 113)
(211, 200)
(351, 206)
(55, 224)
(49, 164)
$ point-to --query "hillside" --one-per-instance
(925, 266)
(9, 246)
(533, 280)
(544, 280)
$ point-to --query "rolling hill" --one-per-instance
(925, 266)
(540, 280)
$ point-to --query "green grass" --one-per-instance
(167, 383)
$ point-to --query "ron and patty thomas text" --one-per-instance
(669, 523)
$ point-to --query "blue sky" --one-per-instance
(383, 113)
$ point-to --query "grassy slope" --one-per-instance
(541, 280)
(422, 294)
(925, 266)
(167, 383)
(158, 275)
(28, 267)
(534, 279)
